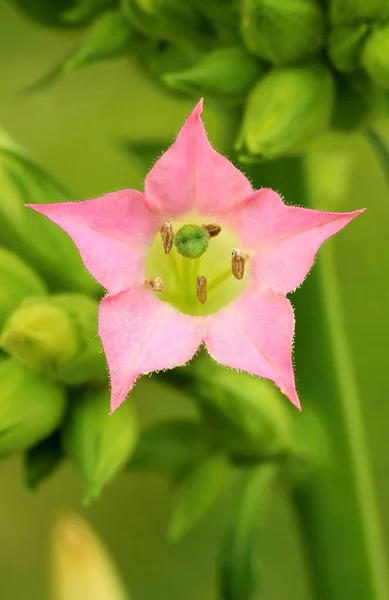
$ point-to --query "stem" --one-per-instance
(335, 505)
(381, 148)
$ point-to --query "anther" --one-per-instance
(213, 229)
(156, 284)
(167, 235)
(238, 262)
(201, 288)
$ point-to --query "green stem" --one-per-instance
(336, 504)
(381, 148)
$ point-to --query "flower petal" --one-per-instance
(255, 334)
(141, 334)
(110, 233)
(191, 174)
(285, 239)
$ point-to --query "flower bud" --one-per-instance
(170, 20)
(31, 407)
(81, 568)
(17, 280)
(283, 31)
(110, 35)
(375, 56)
(246, 414)
(226, 74)
(44, 245)
(56, 335)
(285, 110)
(345, 46)
(353, 11)
(100, 444)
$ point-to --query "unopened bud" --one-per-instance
(167, 20)
(375, 56)
(345, 46)
(100, 444)
(282, 31)
(110, 35)
(227, 74)
(81, 567)
(17, 280)
(31, 407)
(354, 11)
(56, 335)
(285, 111)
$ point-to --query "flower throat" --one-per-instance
(196, 267)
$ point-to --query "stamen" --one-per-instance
(238, 262)
(156, 284)
(167, 235)
(213, 229)
(201, 288)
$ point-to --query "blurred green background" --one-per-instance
(72, 129)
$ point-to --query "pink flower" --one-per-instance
(246, 323)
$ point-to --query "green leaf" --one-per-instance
(42, 460)
(197, 492)
(170, 446)
(239, 576)
(42, 243)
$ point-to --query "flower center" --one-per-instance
(197, 268)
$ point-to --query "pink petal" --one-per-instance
(110, 232)
(141, 334)
(285, 239)
(192, 174)
(255, 334)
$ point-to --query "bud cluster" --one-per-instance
(297, 67)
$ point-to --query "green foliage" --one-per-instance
(227, 74)
(375, 56)
(171, 447)
(100, 444)
(345, 46)
(42, 460)
(62, 13)
(18, 280)
(285, 111)
(56, 335)
(37, 240)
(198, 490)
(31, 407)
(239, 572)
(352, 11)
(283, 31)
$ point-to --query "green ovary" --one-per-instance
(179, 273)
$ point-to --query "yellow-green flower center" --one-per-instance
(195, 254)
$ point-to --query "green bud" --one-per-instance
(191, 241)
(100, 444)
(110, 35)
(375, 56)
(226, 74)
(42, 459)
(31, 407)
(170, 20)
(285, 110)
(352, 11)
(283, 31)
(345, 46)
(18, 280)
(56, 335)
(247, 415)
(44, 245)
(61, 13)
